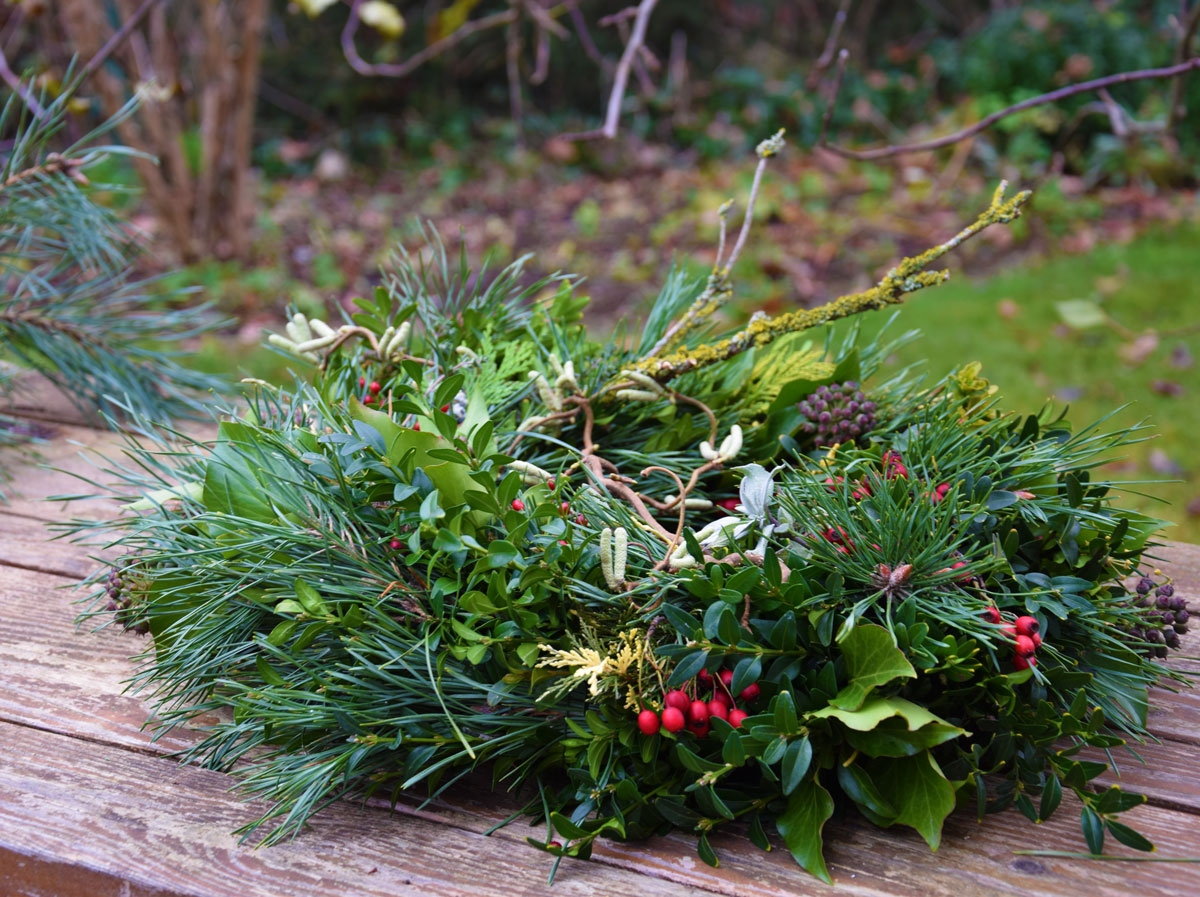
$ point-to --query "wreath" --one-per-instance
(679, 577)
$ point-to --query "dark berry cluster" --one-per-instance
(837, 413)
(684, 710)
(1162, 617)
(118, 585)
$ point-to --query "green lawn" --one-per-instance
(1142, 355)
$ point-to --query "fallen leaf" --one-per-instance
(1160, 462)
(1168, 388)
(1139, 350)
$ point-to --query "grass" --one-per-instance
(1144, 302)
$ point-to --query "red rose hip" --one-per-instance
(1027, 625)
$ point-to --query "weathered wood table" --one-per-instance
(89, 806)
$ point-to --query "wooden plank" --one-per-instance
(35, 396)
(75, 450)
(28, 543)
(110, 813)
(70, 684)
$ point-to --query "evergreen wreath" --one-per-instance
(675, 578)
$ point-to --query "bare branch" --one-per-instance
(843, 55)
(14, 83)
(620, 81)
(1053, 96)
(400, 69)
(118, 38)
(826, 57)
(1176, 109)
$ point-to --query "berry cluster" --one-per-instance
(837, 413)
(372, 390)
(1163, 617)
(1023, 633)
(118, 587)
(682, 710)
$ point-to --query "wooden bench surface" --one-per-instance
(90, 806)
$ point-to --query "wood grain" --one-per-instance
(90, 806)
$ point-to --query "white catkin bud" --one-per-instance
(531, 473)
(320, 328)
(681, 558)
(566, 380)
(466, 353)
(636, 395)
(707, 452)
(645, 381)
(555, 365)
(606, 555)
(319, 342)
(697, 504)
(293, 332)
(403, 332)
(385, 340)
(549, 397)
(301, 323)
(282, 342)
(732, 444)
(620, 555)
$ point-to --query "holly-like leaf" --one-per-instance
(916, 787)
(808, 809)
(872, 659)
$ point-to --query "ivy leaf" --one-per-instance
(916, 787)
(809, 807)
(872, 659)
(891, 727)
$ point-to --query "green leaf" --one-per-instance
(704, 849)
(310, 599)
(891, 727)
(748, 670)
(231, 485)
(1128, 836)
(267, 672)
(859, 787)
(785, 713)
(800, 825)
(687, 668)
(1051, 797)
(796, 760)
(916, 787)
(1081, 314)
(1093, 829)
(872, 659)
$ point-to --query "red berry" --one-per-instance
(374, 387)
(672, 719)
(446, 408)
(831, 483)
(698, 712)
(718, 709)
(369, 400)
(721, 698)
(962, 577)
(1027, 625)
(736, 717)
(677, 699)
(648, 722)
(362, 382)
(417, 427)
(395, 544)
(562, 541)
(550, 484)
(729, 504)
(705, 678)
(1025, 646)
(1024, 663)
(751, 692)
(518, 505)
(726, 677)
(992, 615)
(1009, 629)
(698, 729)
(554, 844)
(564, 509)
(581, 520)
(1037, 640)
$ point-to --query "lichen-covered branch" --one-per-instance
(907, 277)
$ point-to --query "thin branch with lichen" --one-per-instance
(906, 277)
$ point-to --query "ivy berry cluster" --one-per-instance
(1162, 617)
(837, 413)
